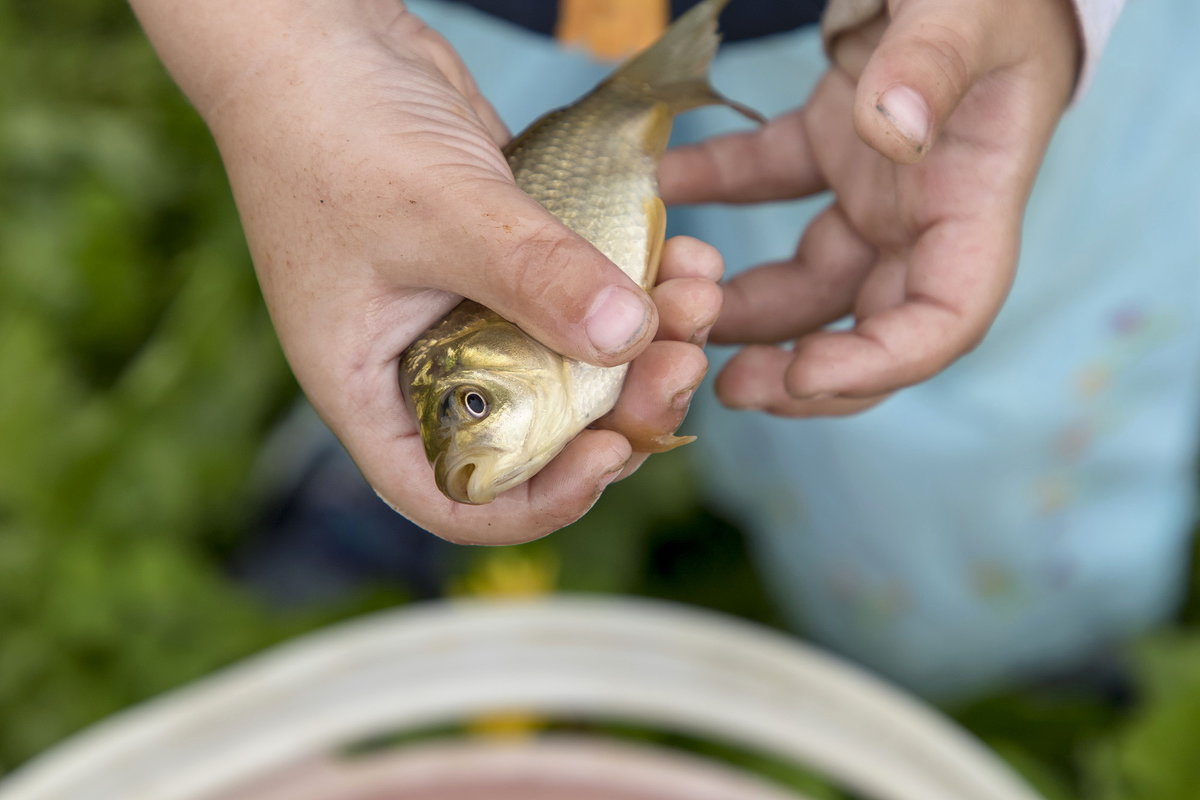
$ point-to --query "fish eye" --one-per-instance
(475, 403)
(468, 402)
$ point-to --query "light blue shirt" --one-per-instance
(1031, 506)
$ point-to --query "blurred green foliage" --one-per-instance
(139, 372)
(139, 375)
(1155, 754)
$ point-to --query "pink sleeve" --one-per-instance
(1096, 20)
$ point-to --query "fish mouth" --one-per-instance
(472, 480)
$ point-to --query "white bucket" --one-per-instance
(272, 723)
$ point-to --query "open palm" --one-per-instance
(928, 132)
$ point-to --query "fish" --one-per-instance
(493, 404)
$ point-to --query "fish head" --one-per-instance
(493, 406)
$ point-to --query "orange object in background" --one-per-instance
(611, 29)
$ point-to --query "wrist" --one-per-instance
(225, 53)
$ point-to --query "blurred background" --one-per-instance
(157, 519)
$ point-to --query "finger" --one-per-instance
(687, 257)
(931, 54)
(633, 465)
(685, 291)
(687, 309)
(557, 496)
(687, 295)
(778, 302)
(658, 390)
(754, 379)
(853, 48)
(511, 255)
(771, 163)
(958, 277)
(573, 482)
(883, 288)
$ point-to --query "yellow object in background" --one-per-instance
(511, 573)
(611, 29)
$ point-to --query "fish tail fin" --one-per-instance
(674, 70)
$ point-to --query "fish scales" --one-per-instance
(593, 167)
(590, 167)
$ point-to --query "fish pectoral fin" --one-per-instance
(656, 226)
(648, 441)
(659, 443)
(643, 438)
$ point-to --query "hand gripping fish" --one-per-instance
(494, 405)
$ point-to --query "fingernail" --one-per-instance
(613, 474)
(743, 401)
(907, 112)
(742, 404)
(681, 400)
(700, 337)
(616, 320)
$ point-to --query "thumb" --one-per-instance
(531, 269)
(931, 54)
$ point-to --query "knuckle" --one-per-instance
(874, 215)
(946, 52)
(534, 262)
(798, 381)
